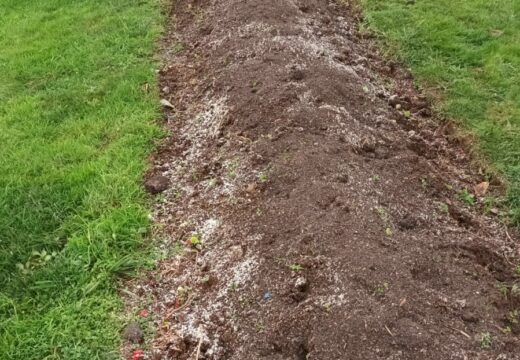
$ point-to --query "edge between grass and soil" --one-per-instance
(78, 105)
(466, 56)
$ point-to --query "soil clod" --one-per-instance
(157, 184)
(133, 333)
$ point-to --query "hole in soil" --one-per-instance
(302, 352)
(489, 260)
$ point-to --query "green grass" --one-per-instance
(76, 126)
(467, 53)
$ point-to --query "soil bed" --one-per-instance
(314, 203)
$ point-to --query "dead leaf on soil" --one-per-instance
(166, 103)
(481, 189)
(496, 33)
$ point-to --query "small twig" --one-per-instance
(387, 329)
(128, 292)
(508, 261)
(181, 235)
(510, 239)
(499, 328)
(198, 346)
(460, 331)
(183, 306)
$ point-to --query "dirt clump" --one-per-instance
(156, 184)
(314, 210)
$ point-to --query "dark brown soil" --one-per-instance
(313, 211)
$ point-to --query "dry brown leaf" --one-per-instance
(166, 103)
(481, 189)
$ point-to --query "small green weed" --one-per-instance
(260, 327)
(466, 197)
(195, 241)
(263, 177)
(381, 289)
(517, 270)
(515, 290)
(183, 293)
(503, 289)
(232, 168)
(233, 287)
(485, 340)
(444, 208)
(177, 47)
(385, 218)
(376, 178)
(280, 260)
(296, 267)
(37, 259)
(389, 232)
(327, 307)
(513, 316)
(383, 214)
(425, 184)
(509, 291)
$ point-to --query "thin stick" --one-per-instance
(183, 306)
(387, 329)
(499, 328)
(460, 331)
(128, 292)
(198, 347)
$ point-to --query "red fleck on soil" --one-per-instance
(314, 209)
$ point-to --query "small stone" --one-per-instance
(200, 261)
(387, 69)
(381, 152)
(133, 333)
(236, 252)
(368, 147)
(157, 184)
(461, 303)
(341, 178)
(469, 317)
(361, 60)
(301, 284)
(408, 222)
(380, 94)
(251, 187)
(303, 8)
(393, 100)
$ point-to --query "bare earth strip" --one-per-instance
(317, 212)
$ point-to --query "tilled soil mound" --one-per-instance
(315, 210)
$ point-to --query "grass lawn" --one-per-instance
(467, 52)
(76, 125)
